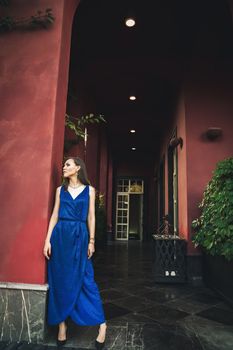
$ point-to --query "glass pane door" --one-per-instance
(135, 216)
(122, 216)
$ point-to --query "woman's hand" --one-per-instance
(91, 249)
(47, 250)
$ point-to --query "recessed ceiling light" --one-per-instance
(132, 98)
(132, 131)
(130, 22)
(133, 148)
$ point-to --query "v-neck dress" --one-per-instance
(72, 291)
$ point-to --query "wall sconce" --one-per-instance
(175, 141)
(213, 133)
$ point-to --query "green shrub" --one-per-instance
(214, 227)
(101, 217)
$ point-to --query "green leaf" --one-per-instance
(214, 226)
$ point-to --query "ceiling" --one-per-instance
(111, 61)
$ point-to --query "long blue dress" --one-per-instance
(72, 289)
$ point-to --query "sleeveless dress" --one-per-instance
(72, 288)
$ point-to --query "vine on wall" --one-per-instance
(41, 19)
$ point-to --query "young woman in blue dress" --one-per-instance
(69, 245)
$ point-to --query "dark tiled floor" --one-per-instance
(144, 315)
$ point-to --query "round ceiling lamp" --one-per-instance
(132, 98)
(130, 22)
(132, 131)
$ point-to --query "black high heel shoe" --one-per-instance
(98, 345)
(60, 343)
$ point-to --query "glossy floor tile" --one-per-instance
(144, 315)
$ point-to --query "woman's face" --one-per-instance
(70, 168)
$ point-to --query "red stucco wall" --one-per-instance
(33, 85)
(84, 104)
(109, 197)
(103, 162)
(97, 155)
(208, 103)
(98, 163)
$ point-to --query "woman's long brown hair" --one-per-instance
(82, 173)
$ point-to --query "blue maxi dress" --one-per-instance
(72, 289)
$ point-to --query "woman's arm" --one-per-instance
(91, 221)
(52, 222)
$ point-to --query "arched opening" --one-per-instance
(177, 63)
(159, 61)
(108, 64)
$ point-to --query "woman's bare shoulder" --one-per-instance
(91, 189)
(58, 189)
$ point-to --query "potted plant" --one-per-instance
(101, 220)
(214, 229)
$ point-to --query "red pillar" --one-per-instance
(109, 197)
(33, 90)
(103, 163)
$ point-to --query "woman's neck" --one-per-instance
(75, 183)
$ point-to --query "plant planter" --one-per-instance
(169, 259)
(218, 275)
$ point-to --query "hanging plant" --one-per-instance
(39, 20)
(214, 227)
(101, 217)
(76, 124)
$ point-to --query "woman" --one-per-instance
(69, 245)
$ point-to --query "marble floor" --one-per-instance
(144, 315)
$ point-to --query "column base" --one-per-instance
(195, 270)
(22, 312)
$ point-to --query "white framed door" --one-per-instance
(122, 216)
(129, 223)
